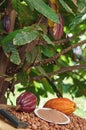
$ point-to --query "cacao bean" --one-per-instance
(39, 124)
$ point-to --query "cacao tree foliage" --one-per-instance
(40, 62)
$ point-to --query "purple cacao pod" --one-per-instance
(57, 30)
(6, 23)
(26, 102)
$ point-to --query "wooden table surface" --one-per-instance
(4, 125)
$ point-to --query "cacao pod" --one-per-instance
(26, 102)
(64, 105)
(56, 31)
(6, 23)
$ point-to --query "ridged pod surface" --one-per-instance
(26, 102)
(64, 105)
(57, 29)
(6, 22)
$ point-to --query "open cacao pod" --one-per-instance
(64, 105)
(26, 102)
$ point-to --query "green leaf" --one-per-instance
(42, 71)
(77, 20)
(48, 50)
(81, 4)
(44, 9)
(71, 4)
(11, 35)
(47, 39)
(30, 56)
(24, 37)
(6, 48)
(23, 78)
(60, 85)
(47, 86)
(14, 57)
(66, 7)
(26, 15)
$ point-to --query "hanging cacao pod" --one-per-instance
(64, 105)
(26, 102)
(6, 22)
(56, 30)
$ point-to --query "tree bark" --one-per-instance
(4, 61)
(3, 65)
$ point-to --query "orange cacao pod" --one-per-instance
(64, 105)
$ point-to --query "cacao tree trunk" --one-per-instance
(7, 68)
(4, 61)
(3, 83)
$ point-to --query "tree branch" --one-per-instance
(52, 59)
(62, 70)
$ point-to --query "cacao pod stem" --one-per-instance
(17, 107)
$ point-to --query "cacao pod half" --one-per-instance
(26, 102)
(64, 105)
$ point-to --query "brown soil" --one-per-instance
(35, 123)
